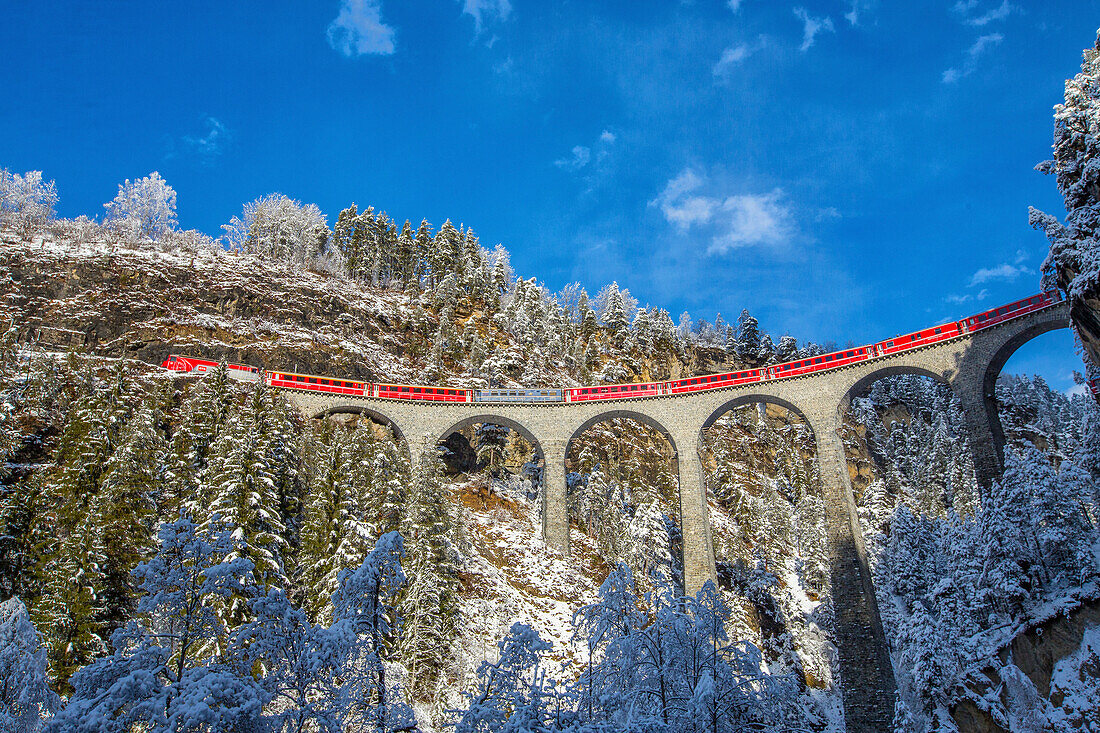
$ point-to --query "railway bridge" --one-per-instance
(969, 365)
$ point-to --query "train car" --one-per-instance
(613, 392)
(1094, 387)
(412, 392)
(315, 383)
(194, 365)
(715, 381)
(518, 395)
(823, 361)
(917, 338)
(1012, 310)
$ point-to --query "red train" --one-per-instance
(834, 360)
(192, 365)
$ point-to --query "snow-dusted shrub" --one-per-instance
(80, 230)
(278, 227)
(26, 201)
(144, 208)
(190, 242)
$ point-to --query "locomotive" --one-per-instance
(800, 367)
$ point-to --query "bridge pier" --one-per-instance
(867, 674)
(979, 414)
(694, 515)
(555, 510)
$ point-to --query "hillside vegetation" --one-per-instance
(322, 578)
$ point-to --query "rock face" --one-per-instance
(133, 300)
(1036, 652)
(1086, 319)
(142, 303)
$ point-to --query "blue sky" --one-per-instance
(846, 169)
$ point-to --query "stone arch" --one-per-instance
(1000, 357)
(704, 448)
(374, 415)
(629, 415)
(752, 399)
(864, 383)
(493, 419)
(680, 513)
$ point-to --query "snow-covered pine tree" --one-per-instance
(490, 442)
(502, 271)
(429, 604)
(423, 256)
(612, 311)
(787, 349)
(202, 418)
(405, 255)
(244, 500)
(1074, 260)
(367, 623)
(747, 346)
(124, 512)
(326, 454)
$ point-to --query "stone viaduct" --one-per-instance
(969, 365)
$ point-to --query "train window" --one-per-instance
(416, 390)
(313, 380)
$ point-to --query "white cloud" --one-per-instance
(754, 219)
(732, 56)
(983, 44)
(740, 220)
(1006, 272)
(679, 207)
(976, 50)
(1000, 12)
(734, 5)
(210, 144)
(358, 30)
(811, 27)
(855, 7)
(582, 155)
(580, 158)
(485, 10)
